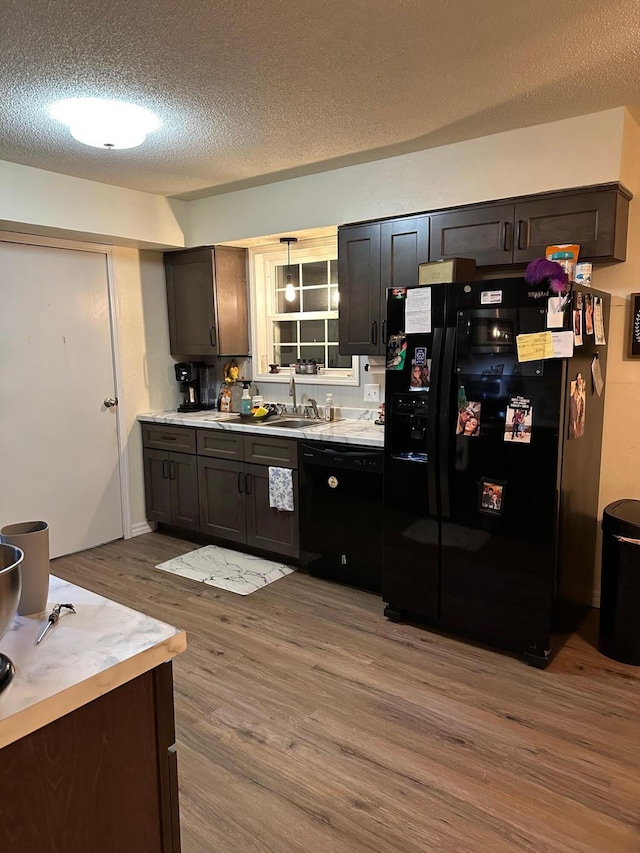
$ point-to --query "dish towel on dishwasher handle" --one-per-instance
(281, 489)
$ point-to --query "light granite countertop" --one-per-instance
(347, 430)
(87, 654)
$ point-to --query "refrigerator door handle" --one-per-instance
(446, 423)
(432, 426)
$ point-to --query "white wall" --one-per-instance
(574, 152)
(147, 367)
(34, 201)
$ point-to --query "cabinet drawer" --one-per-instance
(222, 444)
(178, 439)
(264, 450)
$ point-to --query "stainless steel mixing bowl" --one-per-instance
(10, 584)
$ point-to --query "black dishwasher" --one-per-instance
(341, 512)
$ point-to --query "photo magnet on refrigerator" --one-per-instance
(596, 374)
(396, 351)
(469, 419)
(588, 314)
(577, 321)
(577, 407)
(518, 420)
(491, 496)
(598, 321)
(420, 370)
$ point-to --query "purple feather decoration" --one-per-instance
(549, 273)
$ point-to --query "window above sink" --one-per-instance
(305, 328)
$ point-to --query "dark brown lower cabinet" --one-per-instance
(234, 505)
(268, 528)
(171, 488)
(100, 779)
(222, 503)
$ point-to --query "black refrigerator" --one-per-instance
(492, 460)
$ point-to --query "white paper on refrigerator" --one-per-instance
(562, 344)
(417, 312)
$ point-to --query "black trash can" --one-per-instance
(620, 586)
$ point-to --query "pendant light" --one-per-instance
(289, 291)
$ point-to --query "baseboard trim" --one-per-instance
(141, 527)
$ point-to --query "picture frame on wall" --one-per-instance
(634, 348)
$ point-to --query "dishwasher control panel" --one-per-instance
(341, 456)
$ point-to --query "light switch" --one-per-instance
(372, 393)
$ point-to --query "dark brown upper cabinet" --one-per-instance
(484, 233)
(596, 221)
(359, 286)
(207, 301)
(517, 230)
(372, 258)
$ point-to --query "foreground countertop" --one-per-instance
(362, 431)
(87, 654)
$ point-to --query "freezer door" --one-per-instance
(411, 554)
(499, 479)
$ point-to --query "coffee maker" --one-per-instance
(188, 375)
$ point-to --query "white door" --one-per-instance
(58, 441)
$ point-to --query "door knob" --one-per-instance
(110, 402)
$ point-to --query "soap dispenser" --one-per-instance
(328, 408)
(245, 400)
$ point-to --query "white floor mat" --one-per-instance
(226, 569)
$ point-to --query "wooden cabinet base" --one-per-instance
(100, 779)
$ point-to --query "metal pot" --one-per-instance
(10, 584)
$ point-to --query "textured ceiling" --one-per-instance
(249, 92)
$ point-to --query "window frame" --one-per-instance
(263, 261)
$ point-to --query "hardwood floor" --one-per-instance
(307, 722)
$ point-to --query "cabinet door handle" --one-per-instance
(384, 332)
(165, 469)
(247, 482)
(374, 332)
(522, 228)
(240, 489)
(212, 335)
(507, 237)
(172, 469)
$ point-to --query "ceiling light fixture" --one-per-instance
(105, 124)
(289, 291)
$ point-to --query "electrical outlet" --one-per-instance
(372, 393)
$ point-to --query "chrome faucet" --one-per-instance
(292, 391)
(313, 405)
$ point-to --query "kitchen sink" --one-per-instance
(295, 423)
(289, 423)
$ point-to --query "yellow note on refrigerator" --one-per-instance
(535, 346)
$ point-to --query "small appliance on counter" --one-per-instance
(188, 375)
(208, 390)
